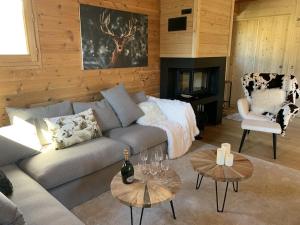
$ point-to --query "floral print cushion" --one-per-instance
(70, 130)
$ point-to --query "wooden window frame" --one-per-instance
(32, 59)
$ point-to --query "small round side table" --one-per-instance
(146, 191)
(204, 163)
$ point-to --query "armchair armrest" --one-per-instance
(285, 114)
(243, 107)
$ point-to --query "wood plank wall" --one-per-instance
(60, 76)
(214, 28)
(179, 43)
(266, 38)
(208, 30)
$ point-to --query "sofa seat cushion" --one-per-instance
(53, 168)
(138, 137)
(37, 205)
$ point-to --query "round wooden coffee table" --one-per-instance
(146, 191)
(204, 163)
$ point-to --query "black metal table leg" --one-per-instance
(141, 215)
(217, 197)
(131, 215)
(173, 211)
(235, 187)
(274, 145)
(198, 183)
(243, 140)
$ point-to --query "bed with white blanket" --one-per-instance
(176, 118)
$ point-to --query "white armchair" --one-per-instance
(270, 122)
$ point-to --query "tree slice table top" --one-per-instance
(204, 162)
(146, 192)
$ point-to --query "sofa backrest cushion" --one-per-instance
(106, 117)
(35, 116)
(73, 129)
(139, 97)
(9, 212)
(123, 105)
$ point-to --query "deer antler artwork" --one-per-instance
(119, 39)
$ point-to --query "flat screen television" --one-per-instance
(192, 82)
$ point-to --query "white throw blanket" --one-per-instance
(180, 125)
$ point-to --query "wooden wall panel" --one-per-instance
(264, 40)
(214, 28)
(208, 31)
(179, 43)
(60, 76)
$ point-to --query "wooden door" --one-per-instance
(259, 45)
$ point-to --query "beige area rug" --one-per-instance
(270, 197)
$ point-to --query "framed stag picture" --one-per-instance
(112, 38)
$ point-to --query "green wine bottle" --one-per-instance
(127, 170)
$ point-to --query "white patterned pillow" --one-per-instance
(73, 129)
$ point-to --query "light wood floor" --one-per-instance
(259, 144)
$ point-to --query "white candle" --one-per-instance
(220, 157)
(229, 159)
(226, 148)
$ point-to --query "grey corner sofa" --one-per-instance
(48, 184)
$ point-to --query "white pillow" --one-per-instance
(73, 129)
(269, 100)
(152, 112)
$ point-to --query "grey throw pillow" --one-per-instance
(105, 115)
(35, 116)
(11, 151)
(9, 212)
(139, 97)
(125, 108)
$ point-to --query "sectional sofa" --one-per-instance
(50, 182)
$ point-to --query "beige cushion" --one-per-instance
(269, 100)
(70, 130)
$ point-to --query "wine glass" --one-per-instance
(165, 165)
(144, 158)
(153, 164)
(159, 156)
(153, 168)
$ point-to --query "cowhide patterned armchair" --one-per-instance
(254, 82)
